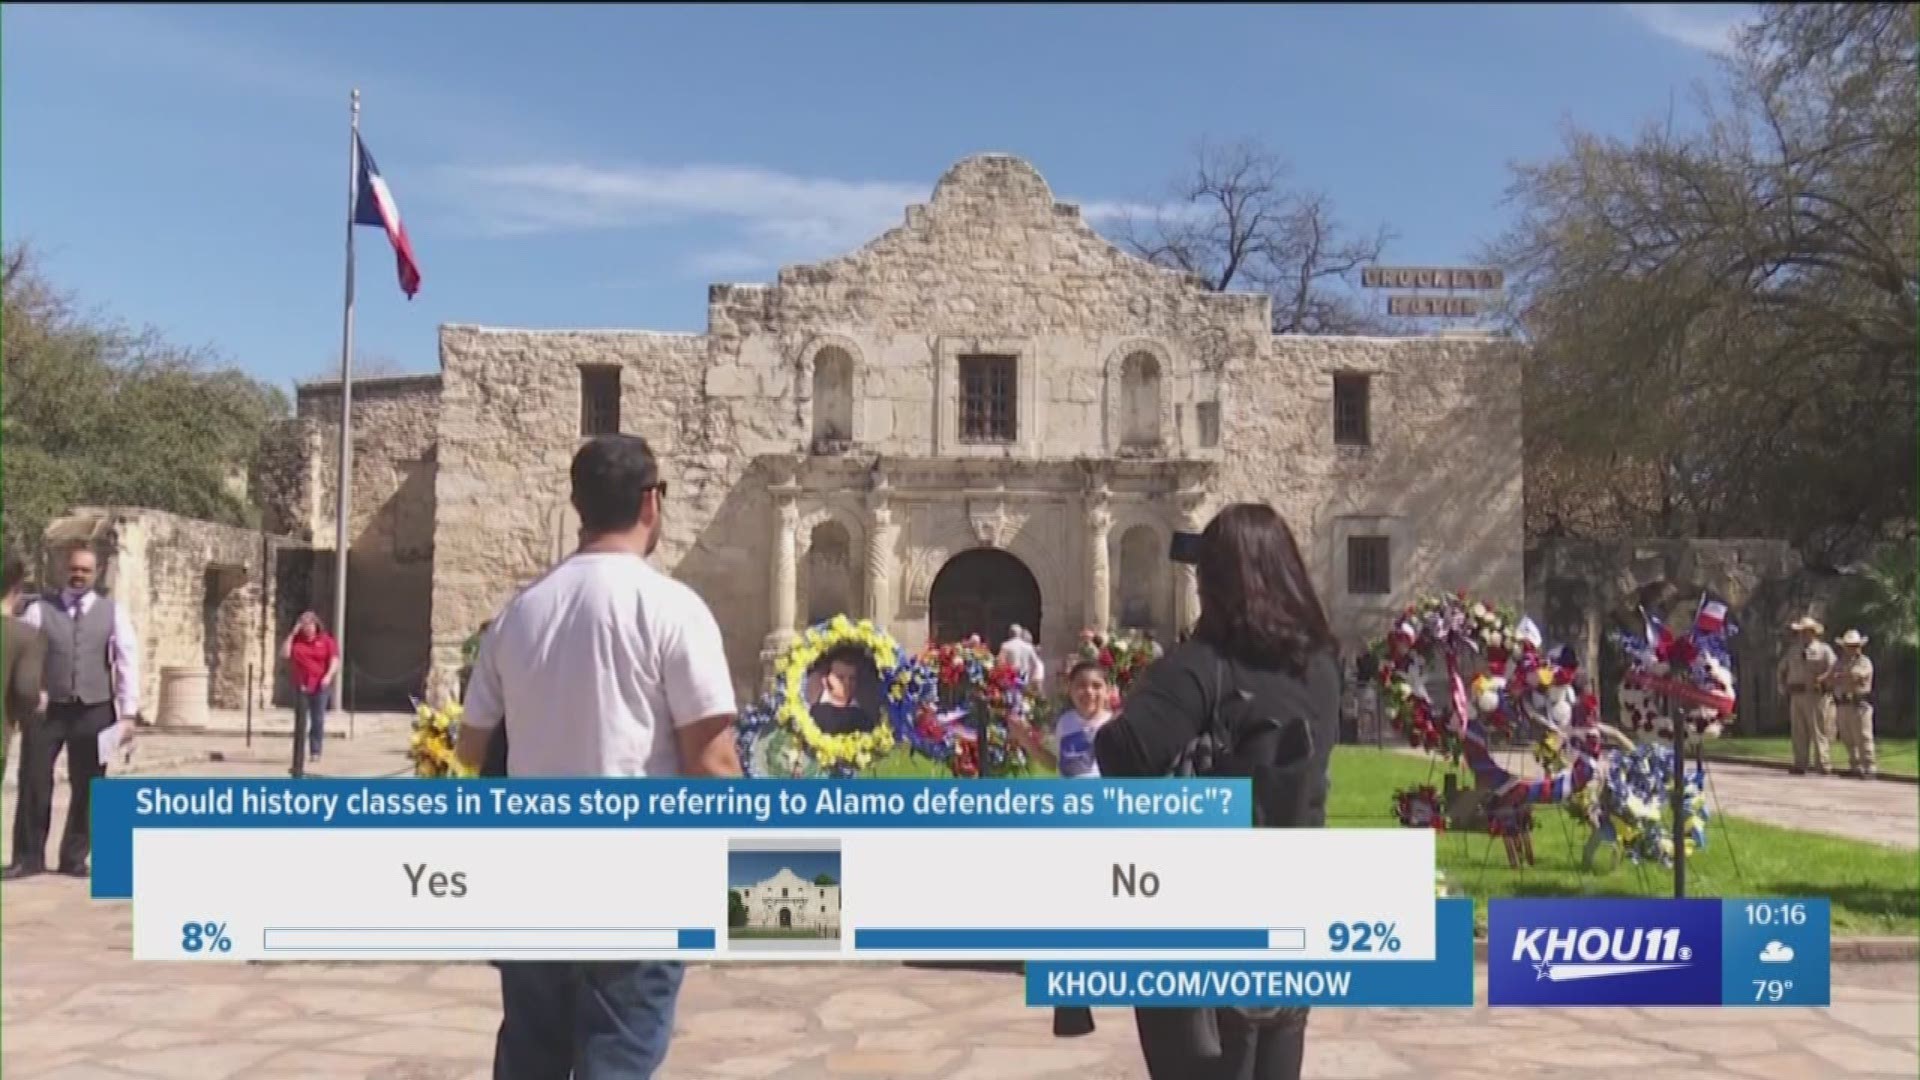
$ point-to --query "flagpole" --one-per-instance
(343, 489)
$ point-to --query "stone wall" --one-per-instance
(200, 595)
(1582, 590)
(1184, 390)
(1441, 477)
(390, 527)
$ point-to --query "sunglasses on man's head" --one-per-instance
(660, 487)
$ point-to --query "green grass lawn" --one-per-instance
(1900, 756)
(1872, 887)
(777, 934)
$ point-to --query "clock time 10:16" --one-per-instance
(1780, 914)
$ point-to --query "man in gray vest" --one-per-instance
(92, 682)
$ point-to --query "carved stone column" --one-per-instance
(1099, 524)
(1186, 584)
(883, 537)
(784, 598)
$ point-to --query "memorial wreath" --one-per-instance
(777, 735)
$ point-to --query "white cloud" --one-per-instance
(765, 218)
(1709, 28)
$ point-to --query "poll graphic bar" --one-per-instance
(854, 894)
(482, 939)
(1445, 981)
(1066, 940)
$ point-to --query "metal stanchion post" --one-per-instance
(1679, 803)
(250, 690)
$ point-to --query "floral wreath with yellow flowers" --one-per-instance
(777, 736)
(430, 746)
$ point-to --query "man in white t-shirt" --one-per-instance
(607, 667)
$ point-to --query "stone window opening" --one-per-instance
(599, 400)
(988, 399)
(832, 401)
(1369, 565)
(830, 584)
(1142, 578)
(1352, 408)
(1140, 400)
(1206, 417)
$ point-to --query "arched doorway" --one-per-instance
(786, 918)
(983, 591)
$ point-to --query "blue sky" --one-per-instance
(745, 868)
(557, 166)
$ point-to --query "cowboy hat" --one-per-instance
(1807, 622)
(1853, 637)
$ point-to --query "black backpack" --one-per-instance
(1275, 752)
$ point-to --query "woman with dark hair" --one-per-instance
(1254, 692)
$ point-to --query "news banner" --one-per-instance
(1112, 893)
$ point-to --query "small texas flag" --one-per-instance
(374, 206)
(1712, 618)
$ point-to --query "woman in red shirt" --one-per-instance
(313, 660)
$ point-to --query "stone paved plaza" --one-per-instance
(76, 1006)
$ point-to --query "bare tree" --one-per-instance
(1237, 224)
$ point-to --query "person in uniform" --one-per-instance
(1851, 683)
(1801, 678)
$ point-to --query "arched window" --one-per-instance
(830, 575)
(1142, 578)
(832, 399)
(1140, 400)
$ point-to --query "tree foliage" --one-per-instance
(1237, 224)
(1723, 318)
(95, 413)
(1882, 598)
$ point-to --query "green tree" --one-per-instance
(93, 412)
(825, 879)
(1882, 598)
(736, 909)
(1722, 317)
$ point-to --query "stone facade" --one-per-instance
(390, 527)
(787, 901)
(819, 459)
(1582, 590)
(199, 595)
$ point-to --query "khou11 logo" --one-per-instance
(1603, 952)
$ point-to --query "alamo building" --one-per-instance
(987, 415)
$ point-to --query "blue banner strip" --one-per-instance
(1446, 981)
(999, 939)
(121, 805)
(696, 939)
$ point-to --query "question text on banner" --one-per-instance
(120, 806)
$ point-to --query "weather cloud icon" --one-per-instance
(1776, 953)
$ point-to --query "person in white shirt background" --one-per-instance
(605, 666)
(92, 686)
(1018, 653)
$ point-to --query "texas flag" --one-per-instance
(1712, 618)
(374, 206)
